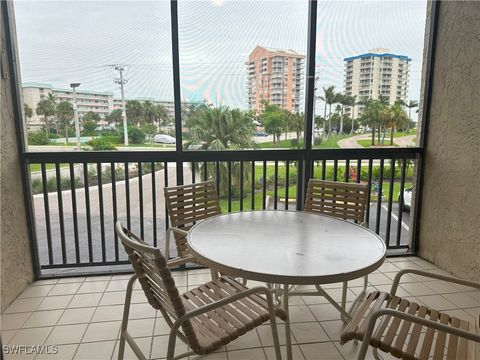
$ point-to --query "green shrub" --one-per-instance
(135, 135)
(38, 138)
(113, 138)
(37, 187)
(101, 144)
(66, 184)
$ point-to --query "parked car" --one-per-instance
(163, 139)
(260, 133)
(407, 199)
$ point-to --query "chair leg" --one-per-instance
(365, 283)
(171, 345)
(376, 355)
(273, 324)
(126, 311)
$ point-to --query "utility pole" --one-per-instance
(121, 81)
(75, 114)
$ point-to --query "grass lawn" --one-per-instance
(401, 133)
(281, 145)
(330, 143)
(148, 145)
(368, 143)
(292, 189)
(38, 167)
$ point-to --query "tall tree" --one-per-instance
(162, 116)
(89, 122)
(371, 116)
(46, 109)
(221, 129)
(339, 112)
(296, 123)
(149, 115)
(399, 119)
(64, 115)
(274, 120)
(115, 117)
(410, 105)
(351, 101)
(329, 98)
(51, 97)
(135, 113)
(28, 111)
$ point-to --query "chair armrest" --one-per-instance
(167, 239)
(414, 319)
(177, 230)
(452, 279)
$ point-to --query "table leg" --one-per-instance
(344, 300)
(288, 338)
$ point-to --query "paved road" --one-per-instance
(405, 141)
(351, 142)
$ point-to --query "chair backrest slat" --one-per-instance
(156, 280)
(346, 201)
(187, 204)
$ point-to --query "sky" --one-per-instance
(61, 42)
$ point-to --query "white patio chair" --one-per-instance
(206, 317)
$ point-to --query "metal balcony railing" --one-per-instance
(78, 197)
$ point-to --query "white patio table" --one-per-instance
(288, 248)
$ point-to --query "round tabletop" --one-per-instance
(286, 247)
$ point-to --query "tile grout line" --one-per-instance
(63, 312)
(90, 322)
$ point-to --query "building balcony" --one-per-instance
(65, 271)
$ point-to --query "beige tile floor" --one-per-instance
(81, 316)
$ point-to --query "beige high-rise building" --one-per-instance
(276, 76)
(99, 102)
(375, 74)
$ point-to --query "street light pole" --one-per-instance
(75, 114)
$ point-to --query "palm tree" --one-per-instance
(28, 112)
(329, 98)
(351, 101)
(410, 105)
(342, 101)
(371, 115)
(134, 112)
(115, 117)
(64, 114)
(295, 122)
(163, 116)
(149, 113)
(399, 119)
(386, 120)
(339, 112)
(46, 109)
(220, 129)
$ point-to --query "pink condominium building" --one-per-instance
(275, 76)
